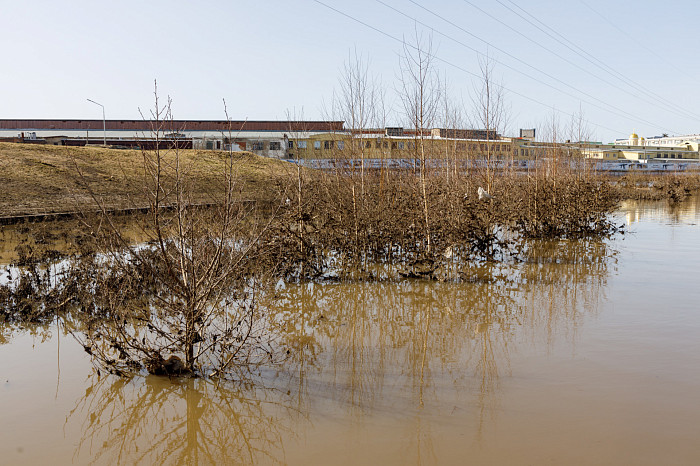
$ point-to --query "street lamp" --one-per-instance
(104, 122)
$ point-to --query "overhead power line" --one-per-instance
(457, 67)
(561, 39)
(558, 55)
(606, 106)
(638, 43)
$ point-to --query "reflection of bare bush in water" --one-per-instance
(411, 335)
(154, 420)
(41, 332)
(32, 274)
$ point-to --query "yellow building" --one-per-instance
(395, 143)
(636, 149)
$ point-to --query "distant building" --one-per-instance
(397, 143)
(528, 134)
(269, 138)
(453, 133)
(401, 143)
(329, 139)
(662, 141)
(640, 150)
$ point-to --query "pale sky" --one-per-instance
(629, 65)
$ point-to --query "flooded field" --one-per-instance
(586, 353)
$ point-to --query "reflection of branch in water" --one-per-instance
(487, 372)
(40, 331)
(154, 420)
(686, 211)
(388, 346)
(421, 448)
(424, 351)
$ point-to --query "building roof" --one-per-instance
(171, 125)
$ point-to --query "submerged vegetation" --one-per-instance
(188, 285)
(334, 227)
(189, 289)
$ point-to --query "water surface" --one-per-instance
(586, 353)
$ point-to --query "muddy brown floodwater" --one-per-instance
(587, 353)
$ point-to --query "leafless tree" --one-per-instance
(357, 105)
(490, 113)
(553, 138)
(452, 118)
(420, 94)
(579, 135)
(184, 299)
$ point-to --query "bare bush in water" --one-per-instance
(339, 240)
(184, 299)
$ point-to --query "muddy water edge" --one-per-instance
(587, 352)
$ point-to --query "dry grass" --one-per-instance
(673, 186)
(39, 179)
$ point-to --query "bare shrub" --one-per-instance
(183, 300)
(564, 206)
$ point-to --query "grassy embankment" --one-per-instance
(39, 179)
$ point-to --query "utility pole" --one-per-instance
(104, 122)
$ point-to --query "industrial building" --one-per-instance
(399, 143)
(661, 141)
(268, 138)
(329, 139)
(640, 150)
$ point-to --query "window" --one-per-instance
(401, 145)
(275, 145)
(328, 144)
(317, 144)
(368, 144)
(301, 144)
(257, 146)
(394, 145)
(386, 145)
(341, 145)
(290, 145)
(461, 146)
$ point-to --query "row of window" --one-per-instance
(381, 144)
(272, 145)
(528, 152)
(400, 145)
